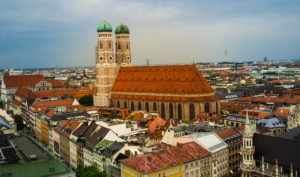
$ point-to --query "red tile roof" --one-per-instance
(24, 92)
(234, 106)
(282, 112)
(156, 124)
(286, 100)
(206, 116)
(76, 92)
(227, 133)
(56, 83)
(168, 157)
(42, 106)
(177, 79)
(255, 114)
(22, 80)
(16, 102)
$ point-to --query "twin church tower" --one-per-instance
(108, 63)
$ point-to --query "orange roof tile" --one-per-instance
(22, 80)
(56, 83)
(76, 92)
(169, 156)
(230, 132)
(24, 92)
(42, 106)
(282, 112)
(156, 124)
(178, 79)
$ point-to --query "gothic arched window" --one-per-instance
(118, 103)
(206, 109)
(139, 106)
(179, 112)
(154, 107)
(192, 111)
(162, 110)
(132, 106)
(119, 46)
(125, 104)
(171, 110)
(101, 45)
(147, 107)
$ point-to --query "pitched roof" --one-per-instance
(97, 137)
(42, 106)
(227, 133)
(24, 92)
(76, 92)
(56, 83)
(22, 80)
(157, 123)
(176, 80)
(167, 157)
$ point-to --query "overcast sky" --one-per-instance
(40, 33)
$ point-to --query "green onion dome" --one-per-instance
(104, 27)
(122, 29)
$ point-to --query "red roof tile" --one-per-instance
(230, 132)
(42, 106)
(156, 124)
(169, 156)
(76, 92)
(24, 92)
(56, 83)
(178, 79)
(22, 80)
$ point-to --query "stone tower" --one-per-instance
(123, 54)
(247, 150)
(106, 68)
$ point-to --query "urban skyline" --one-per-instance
(42, 34)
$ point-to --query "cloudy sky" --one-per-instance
(44, 33)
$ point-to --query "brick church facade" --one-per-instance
(175, 91)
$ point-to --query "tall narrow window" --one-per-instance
(139, 106)
(154, 107)
(119, 46)
(171, 110)
(118, 103)
(179, 112)
(127, 46)
(109, 45)
(132, 106)
(192, 111)
(125, 104)
(162, 110)
(147, 107)
(101, 45)
(206, 107)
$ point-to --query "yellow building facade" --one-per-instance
(173, 171)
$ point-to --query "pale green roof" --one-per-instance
(104, 27)
(121, 29)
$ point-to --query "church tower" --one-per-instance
(247, 150)
(123, 54)
(106, 68)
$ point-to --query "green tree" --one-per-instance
(87, 100)
(19, 122)
(89, 171)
